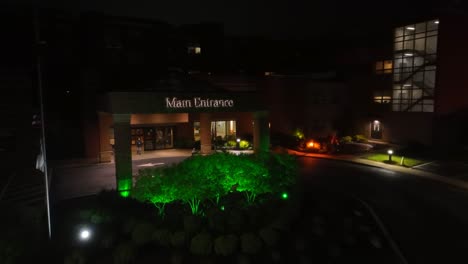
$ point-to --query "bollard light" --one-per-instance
(390, 153)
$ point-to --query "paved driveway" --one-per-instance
(452, 169)
(76, 181)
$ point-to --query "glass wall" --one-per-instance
(220, 130)
(414, 67)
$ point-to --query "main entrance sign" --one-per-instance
(198, 102)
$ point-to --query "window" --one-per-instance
(224, 130)
(382, 99)
(414, 76)
(196, 131)
(385, 66)
(194, 50)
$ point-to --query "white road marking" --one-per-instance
(150, 164)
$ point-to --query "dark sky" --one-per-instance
(263, 17)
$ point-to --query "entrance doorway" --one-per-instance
(376, 129)
(154, 137)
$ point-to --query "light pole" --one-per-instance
(38, 43)
(390, 153)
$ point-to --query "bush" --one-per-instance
(250, 243)
(269, 236)
(244, 144)
(215, 176)
(201, 244)
(192, 223)
(226, 245)
(360, 138)
(178, 239)
(142, 233)
(76, 257)
(231, 143)
(162, 236)
(346, 139)
(124, 253)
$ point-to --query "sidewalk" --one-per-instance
(357, 160)
(163, 153)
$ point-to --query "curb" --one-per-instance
(416, 173)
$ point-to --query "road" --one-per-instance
(428, 220)
(72, 182)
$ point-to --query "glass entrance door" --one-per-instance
(376, 130)
(164, 137)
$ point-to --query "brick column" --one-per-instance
(105, 147)
(123, 153)
(205, 133)
(261, 135)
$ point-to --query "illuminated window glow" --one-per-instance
(385, 67)
(414, 67)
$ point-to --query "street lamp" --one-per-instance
(390, 153)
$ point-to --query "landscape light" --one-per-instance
(238, 140)
(84, 234)
(390, 153)
(284, 195)
(436, 22)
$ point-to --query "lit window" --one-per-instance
(194, 50)
(382, 99)
(415, 55)
(385, 66)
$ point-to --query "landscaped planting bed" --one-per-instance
(205, 211)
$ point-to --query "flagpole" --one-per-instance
(43, 138)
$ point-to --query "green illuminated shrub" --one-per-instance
(226, 245)
(201, 178)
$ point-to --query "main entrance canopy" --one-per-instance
(122, 105)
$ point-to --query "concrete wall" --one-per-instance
(311, 105)
(404, 127)
(452, 78)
